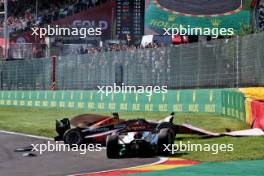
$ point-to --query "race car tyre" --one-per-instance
(73, 137)
(112, 148)
(165, 137)
(168, 125)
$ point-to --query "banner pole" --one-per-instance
(53, 72)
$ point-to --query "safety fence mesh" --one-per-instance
(234, 62)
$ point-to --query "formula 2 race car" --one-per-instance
(74, 131)
(91, 128)
(141, 138)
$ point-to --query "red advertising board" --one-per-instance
(26, 37)
(258, 114)
(96, 17)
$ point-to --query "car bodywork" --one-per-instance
(85, 125)
(130, 137)
(91, 128)
(141, 138)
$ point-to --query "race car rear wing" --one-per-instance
(168, 119)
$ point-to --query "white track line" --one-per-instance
(26, 135)
(161, 160)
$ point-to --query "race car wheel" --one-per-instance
(167, 125)
(165, 137)
(112, 148)
(73, 137)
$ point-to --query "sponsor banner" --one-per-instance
(97, 17)
(157, 18)
(233, 105)
(25, 37)
(205, 100)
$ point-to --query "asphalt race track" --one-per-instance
(55, 163)
(200, 7)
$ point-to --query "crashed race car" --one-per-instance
(131, 137)
(124, 137)
(141, 138)
(86, 128)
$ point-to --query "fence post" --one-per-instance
(53, 72)
(237, 62)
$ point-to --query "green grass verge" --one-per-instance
(42, 122)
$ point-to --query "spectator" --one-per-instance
(49, 11)
(116, 48)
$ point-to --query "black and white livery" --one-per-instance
(141, 138)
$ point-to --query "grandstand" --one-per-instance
(260, 14)
(27, 14)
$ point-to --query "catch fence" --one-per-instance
(225, 63)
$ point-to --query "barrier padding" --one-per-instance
(233, 104)
(258, 114)
(254, 106)
(206, 100)
(220, 101)
(248, 111)
(255, 93)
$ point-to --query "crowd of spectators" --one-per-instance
(116, 47)
(40, 50)
(27, 13)
(261, 15)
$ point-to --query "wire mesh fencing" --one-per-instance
(233, 62)
(30, 74)
(27, 50)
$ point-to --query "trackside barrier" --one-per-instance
(205, 100)
(248, 110)
(254, 106)
(233, 105)
(177, 101)
(258, 114)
